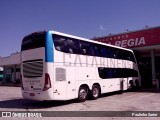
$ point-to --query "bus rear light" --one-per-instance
(47, 83)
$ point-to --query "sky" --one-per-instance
(83, 18)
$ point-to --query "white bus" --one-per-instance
(58, 66)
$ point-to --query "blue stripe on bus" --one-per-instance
(49, 47)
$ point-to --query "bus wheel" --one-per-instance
(95, 92)
(137, 84)
(82, 95)
(131, 85)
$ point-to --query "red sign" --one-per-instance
(134, 39)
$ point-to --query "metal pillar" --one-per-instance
(4, 74)
(153, 65)
(154, 80)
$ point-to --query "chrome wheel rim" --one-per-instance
(95, 92)
(82, 94)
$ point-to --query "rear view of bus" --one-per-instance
(35, 66)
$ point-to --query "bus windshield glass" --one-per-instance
(35, 40)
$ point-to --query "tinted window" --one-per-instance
(100, 50)
(109, 51)
(67, 45)
(32, 41)
(105, 73)
(127, 55)
(104, 52)
(131, 57)
(74, 46)
(116, 53)
(60, 44)
(97, 49)
(87, 48)
(129, 73)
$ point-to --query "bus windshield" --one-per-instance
(34, 40)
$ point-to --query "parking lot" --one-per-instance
(11, 100)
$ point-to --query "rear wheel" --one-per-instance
(137, 85)
(95, 92)
(131, 85)
(82, 94)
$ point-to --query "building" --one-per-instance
(1, 73)
(10, 68)
(146, 44)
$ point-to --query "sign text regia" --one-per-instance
(130, 43)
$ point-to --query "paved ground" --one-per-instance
(11, 100)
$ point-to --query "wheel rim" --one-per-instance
(95, 92)
(82, 94)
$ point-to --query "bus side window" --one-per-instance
(83, 51)
(60, 44)
(124, 55)
(105, 73)
(120, 56)
(102, 73)
(119, 72)
(103, 52)
(132, 73)
(116, 54)
(113, 53)
(132, 58)
(86, 48)
(110, 52)
(91, 50)
(129, 56)
(109, 73)
(73, 46)
(97, 49)
(107, 54)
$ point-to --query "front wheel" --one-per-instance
(95, 92)
(82, 94)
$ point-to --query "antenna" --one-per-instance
(146, 26)
(127, 30)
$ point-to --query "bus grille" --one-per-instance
(33, 69)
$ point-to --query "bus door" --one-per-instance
(71, 78)
(124, 83)
(124, 79)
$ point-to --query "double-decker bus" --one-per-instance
(58, 66)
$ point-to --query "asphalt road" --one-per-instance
(11, 100)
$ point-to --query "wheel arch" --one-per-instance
(84, 85)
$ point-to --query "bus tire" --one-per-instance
(131, 85)
(95, 92)
(137, 87)
(82, 94)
